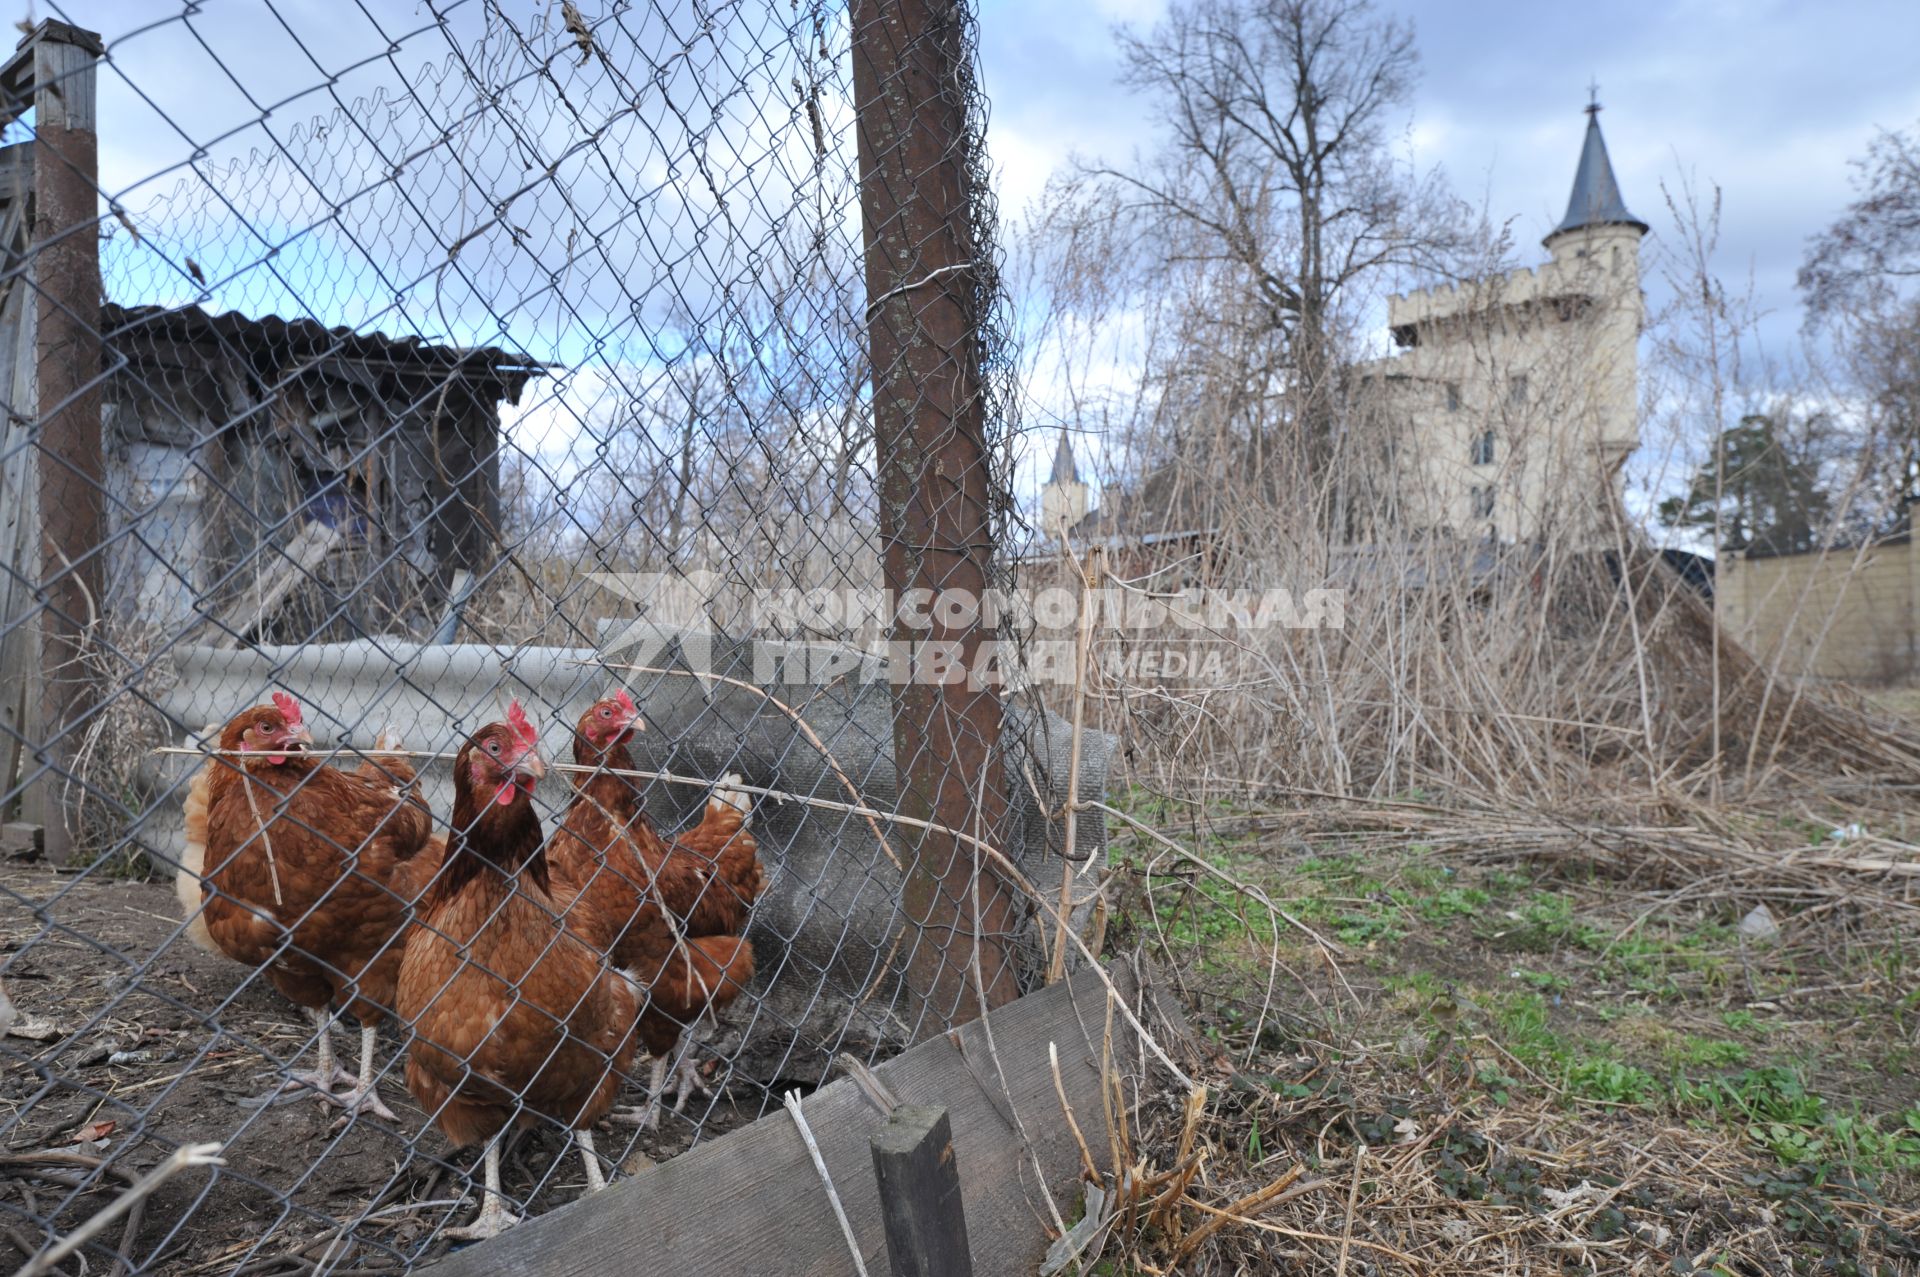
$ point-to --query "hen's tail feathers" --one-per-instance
(729, 813)
(187, 881)
(412, 876)
(396, 774)
(728, 805)
(703, 974)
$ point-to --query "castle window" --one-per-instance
(1483, 448)
(1482, 502)
(1517, 390)
(1453, 396)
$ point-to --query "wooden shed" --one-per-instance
(284, 479)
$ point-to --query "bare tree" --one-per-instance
(1873, 251)
(1277, 166)
(1861, 282)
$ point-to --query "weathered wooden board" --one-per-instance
(920, 1196)
(750, 1204)
(296, 565)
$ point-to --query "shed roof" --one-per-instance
(292, 340)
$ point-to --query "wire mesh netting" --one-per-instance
(406, 406)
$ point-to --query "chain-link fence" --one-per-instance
(377, 377)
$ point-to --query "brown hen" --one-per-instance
(309, 872)
(673, 913)
(516, 1017)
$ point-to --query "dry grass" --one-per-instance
(1519, 1190)
(105, 782)
(1502, 1042)
(1453, 891)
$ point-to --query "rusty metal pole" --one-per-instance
(923, 325)
(65, 262)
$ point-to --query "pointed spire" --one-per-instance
(1064, 470)
(1596, 195)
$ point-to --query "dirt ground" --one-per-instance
(1498, 1064)
(145, 1042)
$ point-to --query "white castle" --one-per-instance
(1513, 401)
(1511, 405)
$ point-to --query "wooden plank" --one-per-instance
(920, 1199)
(462, 464)
(750, 1203)
(459, 590)
(18, 73)
(19, 544)
(297, 563)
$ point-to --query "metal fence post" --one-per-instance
(923, 323)
(65, 252)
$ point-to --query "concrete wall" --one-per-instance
(1845, 614)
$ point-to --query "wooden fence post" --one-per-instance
(56, 63)
(920, 1194)
(924, 312)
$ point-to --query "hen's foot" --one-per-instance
(313, 1082)
(494, 1219)
(356, 1101)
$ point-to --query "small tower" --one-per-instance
(1598, 242)
(1514, 398)
(1063, 499)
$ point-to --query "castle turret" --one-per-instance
(1063, 499)
(1515, 396)
(1598, 242)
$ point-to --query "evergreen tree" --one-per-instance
(1767, 497)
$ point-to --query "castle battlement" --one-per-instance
(1514, 397)
(1567, 278)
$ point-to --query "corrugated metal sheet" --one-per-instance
(307, 339)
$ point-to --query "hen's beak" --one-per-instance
(528, 768)
(300, 737)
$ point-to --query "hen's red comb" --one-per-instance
(626, 702)
(517, 719)
(289, 709)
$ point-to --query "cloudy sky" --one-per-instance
(1768, 100)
